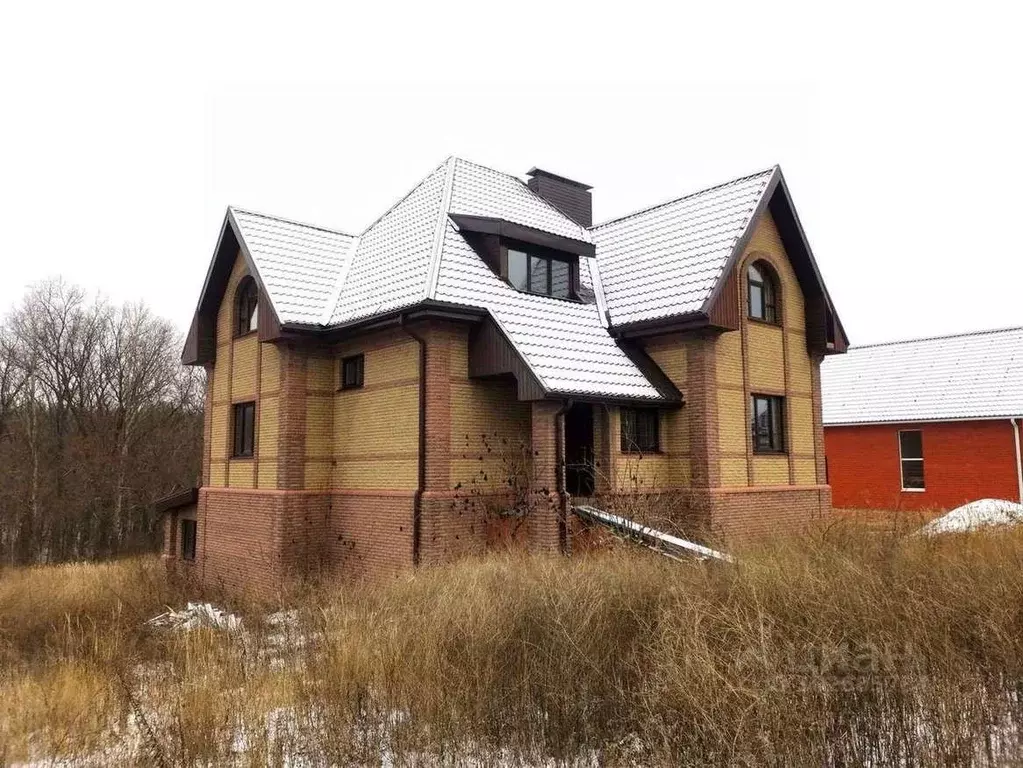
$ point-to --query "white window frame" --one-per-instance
(902, 478)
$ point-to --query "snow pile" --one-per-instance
(194, 616)
(976, 514)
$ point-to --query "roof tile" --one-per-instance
(666, 260)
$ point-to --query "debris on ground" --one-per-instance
(984, 513)
(659, 541)
(196, 615)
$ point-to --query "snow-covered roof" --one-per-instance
(661, 261)
(298, 263)
(666, 260)
(967, 376)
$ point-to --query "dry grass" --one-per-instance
(836, 648)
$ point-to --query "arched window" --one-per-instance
(763, 292)
(246, 307)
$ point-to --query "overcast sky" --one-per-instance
(125, 131)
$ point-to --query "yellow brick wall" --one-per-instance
(375, 433)
(773, 354)
(645, 472)
(270, 369)
(766, 359)
(734, 471)
(766, 239)
(801, 420)
(485, 415)
(319, 426)
(728, 356)
(768, 367)
(806, 472)
(244, 369)
(800, 378)
(771, 470)
(732, 422)
(670, 468)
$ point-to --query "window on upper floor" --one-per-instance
(352, 371)
(762, 292)
(244, 430)
(911, 459)
(246, 307)
(640, 430)
(541, 274)
(768, 424)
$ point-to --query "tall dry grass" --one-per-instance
(841, 647)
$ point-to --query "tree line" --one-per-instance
(97, 419)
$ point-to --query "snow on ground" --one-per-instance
(977, 514)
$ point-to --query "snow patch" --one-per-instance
(977, 514)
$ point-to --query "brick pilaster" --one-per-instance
(291, 420)
(701, 401)
(544, 516)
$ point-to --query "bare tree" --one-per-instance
(100, 419)
(139, 366)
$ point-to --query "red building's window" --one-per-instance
(911, 456)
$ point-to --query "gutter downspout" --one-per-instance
(417, 498)
(1016, 427)
(559, 478)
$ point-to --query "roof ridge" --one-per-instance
(963, 334)
(251, 212)
(404, 197)
(440, 226)
(766, 171)
(339, 284)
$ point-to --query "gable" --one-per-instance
(764, 244)
(704, 268)
(806, 296)
(663, 263)
(229, 257)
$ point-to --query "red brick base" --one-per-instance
(263, 541)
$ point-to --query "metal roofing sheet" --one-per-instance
(968, 376)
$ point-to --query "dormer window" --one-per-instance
(544, 275)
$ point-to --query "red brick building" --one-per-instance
(925, 425)
(452, 377)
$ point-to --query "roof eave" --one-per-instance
(490, 225)
(674, 323)
(743, 240)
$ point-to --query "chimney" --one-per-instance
(572, 198)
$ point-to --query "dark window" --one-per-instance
(244, 429)
(188, 539)
(540, 274)
(518, 270)
(911, 457)
(640, 430)
(768, 424)
(561, 277)
(352, 372)
(763, 293)
(247, 307)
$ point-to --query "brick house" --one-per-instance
(926, 425)
(481, 354)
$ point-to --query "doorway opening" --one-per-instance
(579, 465)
